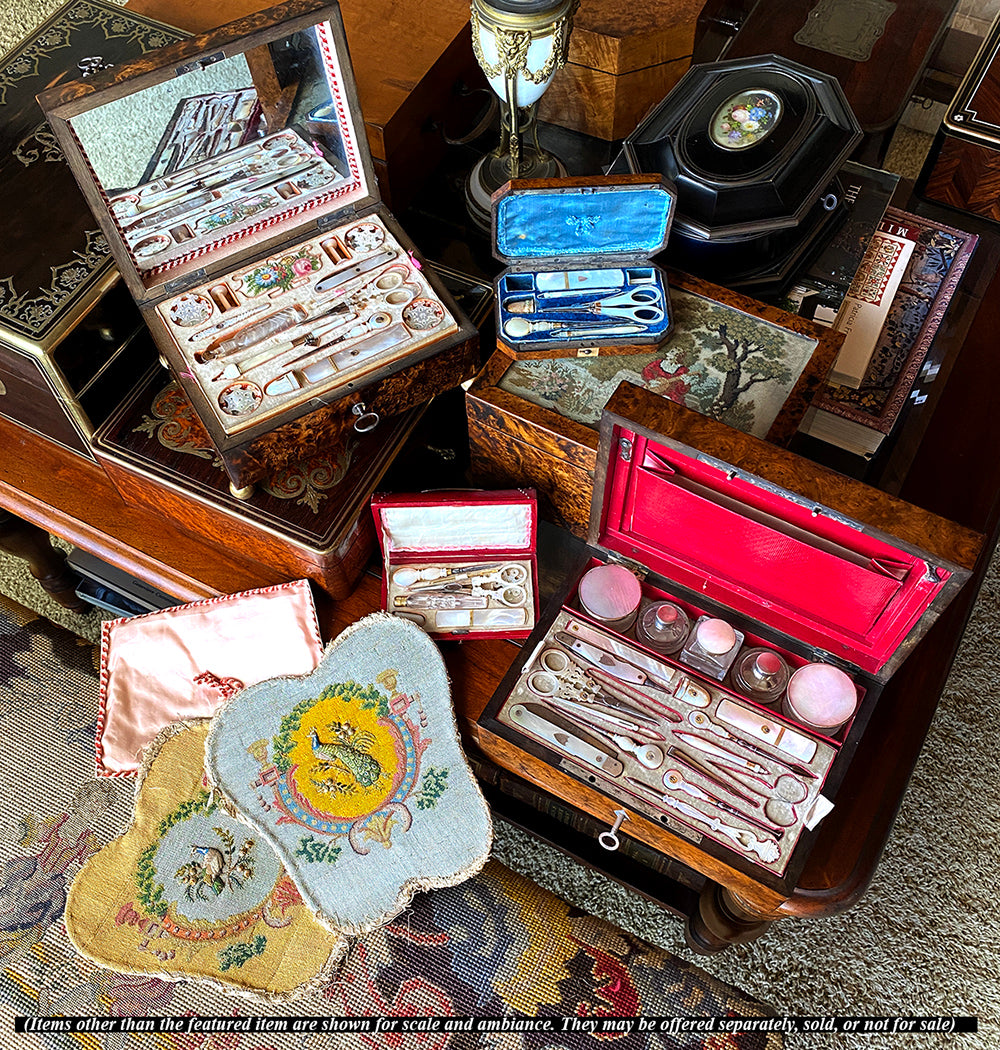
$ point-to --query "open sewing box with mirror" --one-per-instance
(233, 180)
(710, 665)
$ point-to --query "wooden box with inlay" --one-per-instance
(287, 300)
(962, 169)
(702, 678)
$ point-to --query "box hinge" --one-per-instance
(201, 63)
(183, 283)
(638, 570)
(324, 222)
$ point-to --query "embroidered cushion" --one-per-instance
(184, 662)
(355, 774)
(189, 891)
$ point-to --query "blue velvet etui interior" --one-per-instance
(586, 221)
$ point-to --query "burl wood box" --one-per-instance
(703, 677)
(288, 302)
(67, 324)
(622, 60)
(962, 169)
(533, 420)
(310, 521)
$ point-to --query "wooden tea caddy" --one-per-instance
(283, 295)
(798, 559)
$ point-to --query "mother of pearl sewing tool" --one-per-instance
(677, 684)
(692, 763)
(679, 687)
(634, 693)
(548, 684)
(191, 309)
(642, 294)
(673, 780)
(766, 849)
(596, 717)
(405, 576)
(566, 741)
(365, 237)
(730, 757)
(507, 573)
(518, 328)
(786, 786)
(701, 721)
(346, 273)
(636, 304)
(229, 321)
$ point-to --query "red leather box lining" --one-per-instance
(763, 553)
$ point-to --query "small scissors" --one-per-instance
(637, 304)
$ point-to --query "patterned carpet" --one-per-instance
(496, 946)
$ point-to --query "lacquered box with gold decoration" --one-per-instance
(68, 351)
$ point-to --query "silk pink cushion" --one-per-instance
(184, 662)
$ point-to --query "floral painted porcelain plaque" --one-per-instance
(355, 774)
(745, 119)
(189, 891)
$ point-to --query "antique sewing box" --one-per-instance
(310, 520)
(460, 563)
(533, 416)
(286, 299)
(577, 251)
(701, 679)
(68, 327)
(753, 146)
(962, 169)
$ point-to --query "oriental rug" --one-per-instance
(496, 946)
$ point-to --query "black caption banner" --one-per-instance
(580, 1025)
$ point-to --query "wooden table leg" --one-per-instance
(45, 562)
(720, 920)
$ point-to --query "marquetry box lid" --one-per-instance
(256, 259)
(974, 112)
(798, 560)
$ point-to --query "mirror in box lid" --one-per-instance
(223, 142)
(740, 522)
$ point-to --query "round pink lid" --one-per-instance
(716, 636)
(822, 695)
(609, 592)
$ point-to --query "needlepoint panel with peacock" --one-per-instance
(354, 773)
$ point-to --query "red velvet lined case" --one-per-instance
(460, 563)
(798, 560)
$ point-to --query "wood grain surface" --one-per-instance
(965, 175)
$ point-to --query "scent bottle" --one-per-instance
(663, 626)
(761, 674)
(712, 647)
